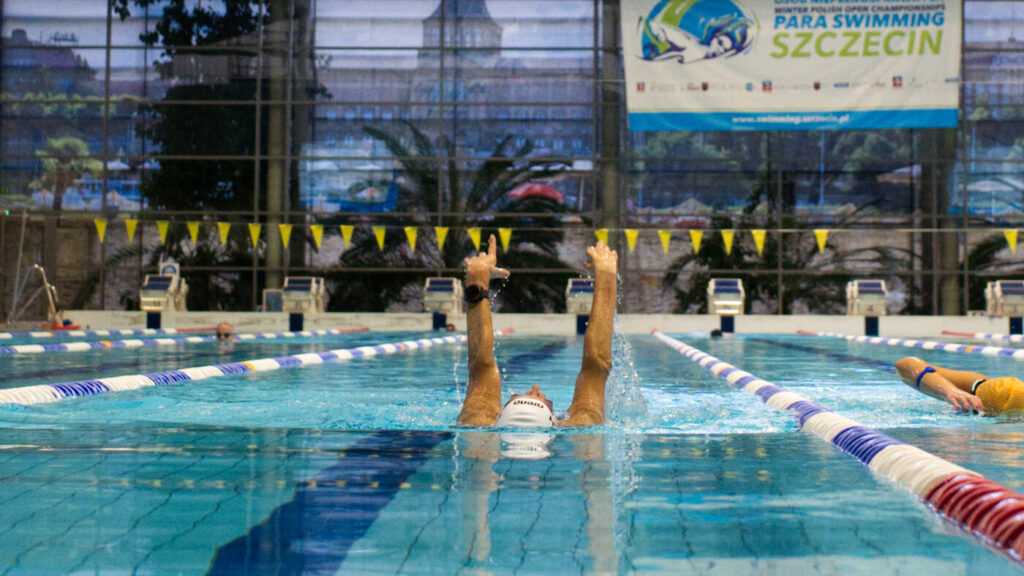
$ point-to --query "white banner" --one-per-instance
(791, 64)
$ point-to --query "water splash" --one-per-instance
(624, 400)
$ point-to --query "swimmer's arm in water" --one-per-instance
(587, 407)
(953, 386)
(482, 405)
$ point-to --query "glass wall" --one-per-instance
(316, 119)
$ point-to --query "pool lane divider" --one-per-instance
(131, 343)
(981, 507)
(46, 393)
(1015, 353)
(103, 333)
(1015, 338)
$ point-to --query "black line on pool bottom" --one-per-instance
(863, 361)
(313, 532)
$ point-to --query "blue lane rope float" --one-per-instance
(95, 333)
(983, 508)
(45, 393)
(131, 343)
(1015, 353)
(1015, 338)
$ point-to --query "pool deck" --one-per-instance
(893, 326)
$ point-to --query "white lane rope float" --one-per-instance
(981, 507)
(100, 333)
(46, 393)
(1014, 338)
(1015, 353)
(131, 343)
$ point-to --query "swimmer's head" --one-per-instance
(716, 334)
(527, 410)
(225, 332)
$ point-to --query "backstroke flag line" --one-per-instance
(791, 64)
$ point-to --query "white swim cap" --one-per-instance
(525, 412)
(525, 446)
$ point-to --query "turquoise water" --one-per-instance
(356, 468)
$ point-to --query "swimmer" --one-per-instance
(966, 391)
(483, 403)
(716, 334)
(449, 327)
(225, 335)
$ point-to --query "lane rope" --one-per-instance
(1015, 353)
(46, 393)
(102, 333)
(981, 507)
(1015, 338)
(131, 343)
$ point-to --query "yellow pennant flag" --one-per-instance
(223, 229)
(1011, 239)
(317, 231)
(759, 236)
(474, 237)
(161, 229)
(101, 228)
(410, 236)
(346, 234)
(193, 231)
(380, 232)
(666, 239)
(286, 233)
(254, 233)
(821, 235)
(506, 235)
(130, 226)
(631, 236)
(696, 237)
(441, 232)
(601, 234)
(727, 238)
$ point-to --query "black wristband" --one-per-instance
(474, 293)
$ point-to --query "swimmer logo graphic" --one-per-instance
(771, 65)
(687, 31)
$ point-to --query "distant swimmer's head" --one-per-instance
(716, 334)
(528, 410)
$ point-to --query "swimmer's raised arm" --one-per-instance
(483, 395)
(953, 386)
(587, 407)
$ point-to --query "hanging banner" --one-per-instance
(380, 233)
(346, 234)
(441, 234)
(193, 231)
(1010, 235)
(631, 236)
(130, 226)
(727, 238)
(602, 235)
(254, 233)
(696, 237)
(101, 228)
(821, 237)
(223, 229)
(161, 229)
(285, 230)
(506, 236)
(410, 236)
(759, 236)
(771, 65)
(317, 232)
(474, 237)
(666, 239)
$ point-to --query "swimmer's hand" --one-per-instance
(964, 401)
(484, 266)
(602, 259)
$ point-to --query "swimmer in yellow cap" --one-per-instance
(966, 391)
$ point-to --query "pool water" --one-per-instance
(357, 468)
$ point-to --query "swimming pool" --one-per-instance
(357, 468)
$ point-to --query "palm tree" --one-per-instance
(64, 160)
(476, 198)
